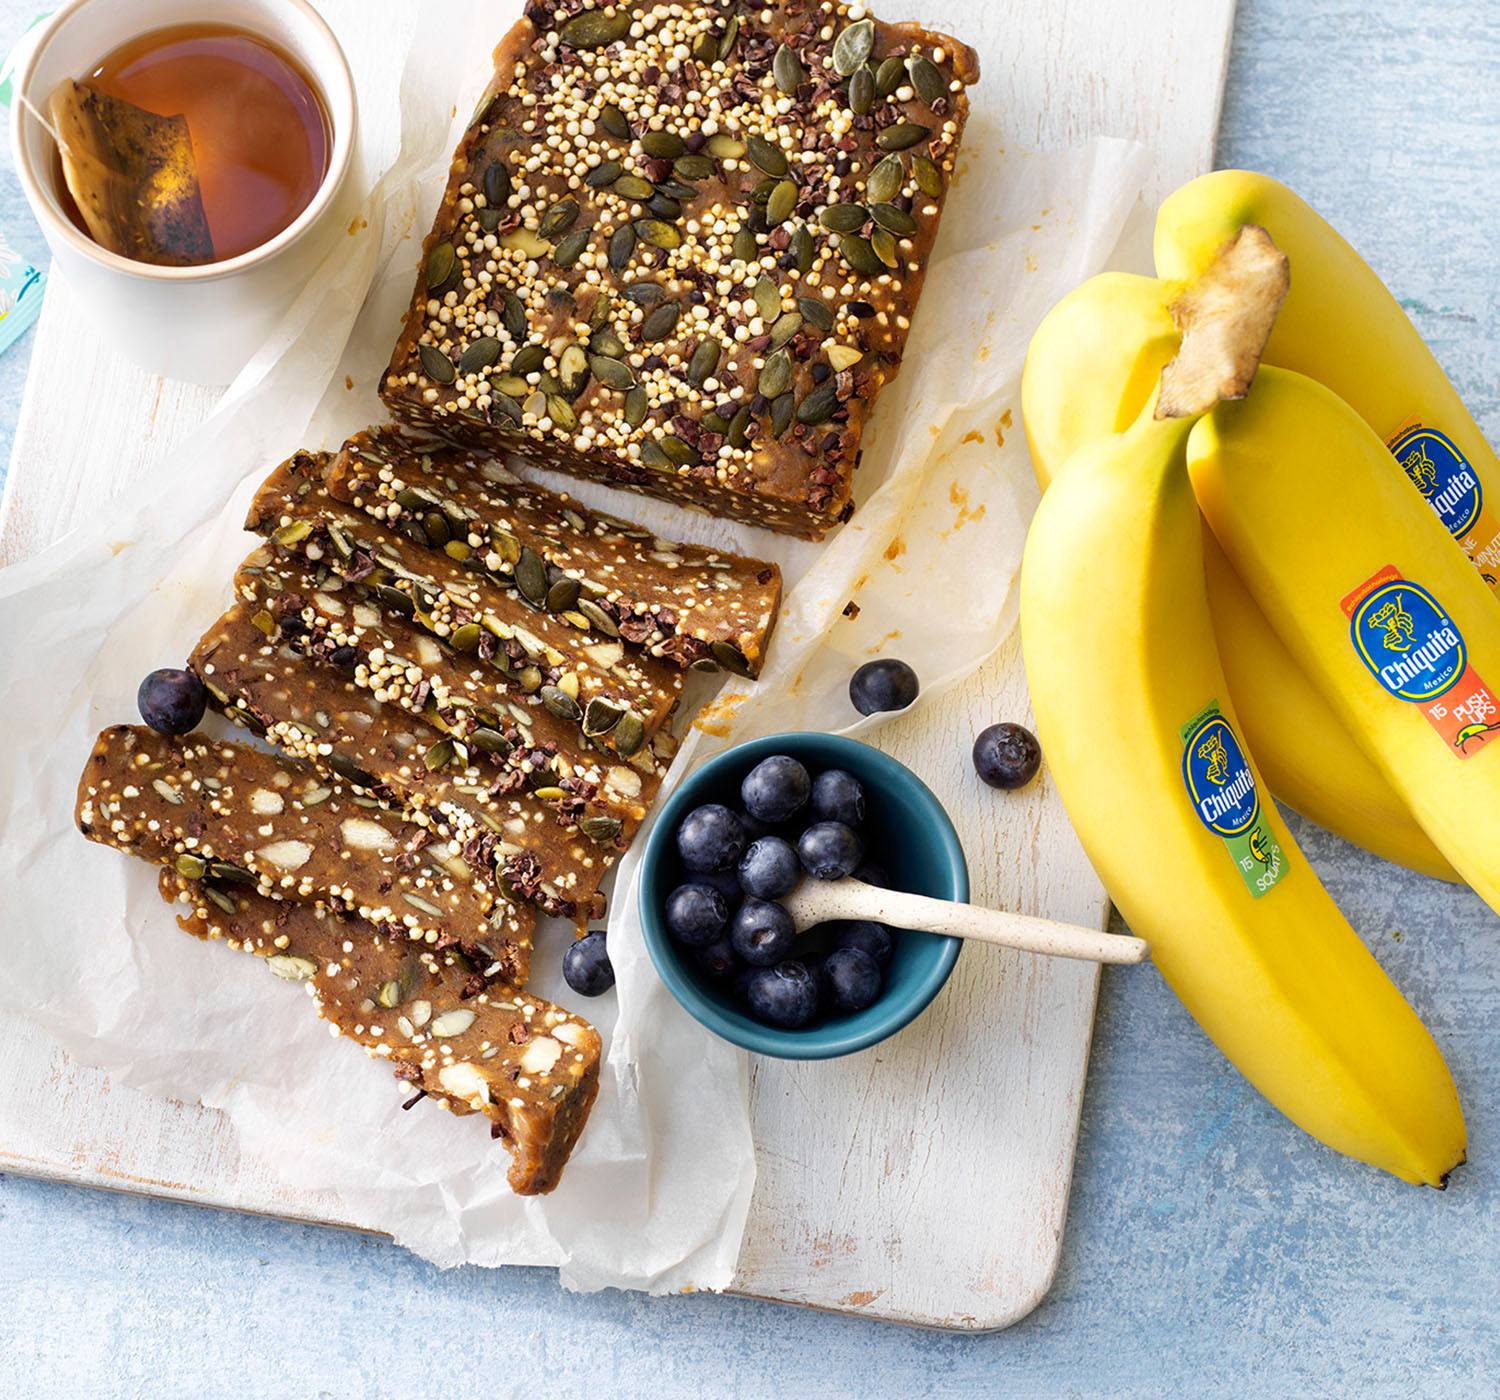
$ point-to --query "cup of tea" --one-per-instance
(189, 162)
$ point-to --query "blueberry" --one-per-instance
(172, 702)
(1007, 756)
(829, 850)
(867, 936)
(769, 868)
(739, 989)
(871, 874)
(838, 796)
(710, 838)
(586, 966)
(762, 932)
(718, 959)
(775, 788)
(696, 914)
(883, 685)
(851, 979)
(785, 995)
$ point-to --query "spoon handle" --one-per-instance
(850, 899)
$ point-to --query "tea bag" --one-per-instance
(133, 176)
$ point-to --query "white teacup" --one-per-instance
(196, 323)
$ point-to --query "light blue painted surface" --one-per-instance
(1210, 1251)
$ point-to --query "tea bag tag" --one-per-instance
(133, 176)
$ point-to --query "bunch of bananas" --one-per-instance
(1331, 638)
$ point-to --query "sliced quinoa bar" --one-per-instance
(696, 607)
(681, 246)
(471, 1045)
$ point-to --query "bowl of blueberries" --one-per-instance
(738, 835)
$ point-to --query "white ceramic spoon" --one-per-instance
(817, 901)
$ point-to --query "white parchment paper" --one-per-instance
(657, 1194)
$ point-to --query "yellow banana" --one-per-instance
(1091, 367)
(1371, 594)
(1142, 741)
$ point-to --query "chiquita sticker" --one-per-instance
(1442, 473)
(1226, 799)
(1417, 653)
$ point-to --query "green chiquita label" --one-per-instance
(1223, 791)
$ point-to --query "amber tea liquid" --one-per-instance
(259, 132)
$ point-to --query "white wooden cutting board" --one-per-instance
(925, 1181)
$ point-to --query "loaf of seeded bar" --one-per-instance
(489, 641)
(681, 246)
(232, 813)
(697, 607)
(471, 1045)
(549, 820)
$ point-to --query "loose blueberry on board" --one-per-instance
(851, 979)
(867, 936)
(887, 684)
(775, 788)
(718, 959)
(785, 995)
(769, 868)
(838, 796)
(172, 701)
(1007, 756)
(710, 838)
(762, 932)
(829, 850)
(696, 915)
(586, 966)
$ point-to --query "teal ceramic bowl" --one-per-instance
(907, 832)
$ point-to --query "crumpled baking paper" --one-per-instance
(656, 1195)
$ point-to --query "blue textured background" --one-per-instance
(1210, 1250)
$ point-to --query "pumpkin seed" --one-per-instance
(190, 867)
(661, 322)
(440, 755)
(781, 203)
(901, 136)
(466, 637)
(645, 293)
(782, 409)
(785, 328)
(601, 829)
(786, 68)
(637, 405)
(628, 734)
(621, 247)
(349, 771)
(731, 33)
(528, 359)
(291, 967)
(558, 219)
(550, 794)
(653, 456)
(560, 703)
(633, 187)
(457, 550)
(598, 617)
(512, 314)
(816, 312)
(435, 527)
(853, 46)
(737, 426)
(658, 233)
(706, 49)
(531, 576)
(722, 146)
(425, 905)
(221, 900)
(802, 248)
(605, 173)
(491, 741)
(505, 407)
(844, 218)
(928, 177)
(859, 255)
(525, 241)
(562, 595)
(612, 373)
(599, 312)
(442, 264)
(529, 678)
(480, 354)
(819, 406)
(571, 248)
(775, 375)
(662, 145)
(694, 167)
(664, 207)
(436, 365)
(731, 658)
(889, 75)
(395, 599)
(389, 995)
(704, 361)
(746, 247)
(926, 79)
(884, 244)
(771, 159)
(607, 343)
(885, 180)
(861, 92)
(595, 29)
(573, 370)
(560, 411)
(767, 299)
(496, 184)
(894, 218)
(612, 119)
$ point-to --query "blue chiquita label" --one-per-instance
(1410, 644)
(1443, 475)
